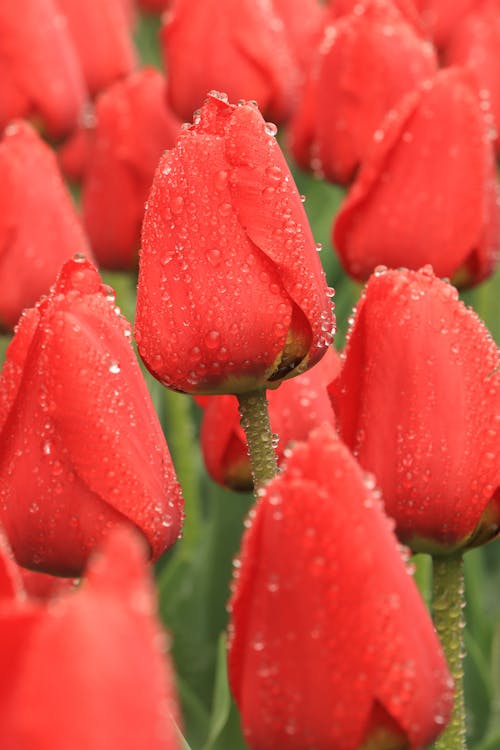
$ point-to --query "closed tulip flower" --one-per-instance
(295, 409)
(64, 659)
(100, 30)
(474, 43)
(40, 73)
(441, 18)
(82, 449)
(331, 646)
(133, 127)
(410, 204)
(39, 226)
(418, 402)
(367, 60)
(231, 294)
(238, 46)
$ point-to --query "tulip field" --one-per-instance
(250, 375)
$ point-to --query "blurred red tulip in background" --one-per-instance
(238, 46)
(331, 645)
(418, 402)
(40, 73)
(366, 61)
(475, 42)
(231, 293)
(100, 30)
(133, 127)
(39, 226)
(82, 450)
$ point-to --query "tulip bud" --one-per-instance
(410, 204)
(39, 226)
(50, 651)
(82, 448)
(331, 645)
(474, 43)
(39, 67)
(133, 127)
(237, 46)
(418, 402)
(441, 17)
(100, 30)
(231, 294)
(367, 60)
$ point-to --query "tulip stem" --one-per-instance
(255, 421)
(448, 604)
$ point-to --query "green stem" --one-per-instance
(447, 604)
(255, 422)
(183, 447)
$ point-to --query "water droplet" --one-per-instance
(212, 340)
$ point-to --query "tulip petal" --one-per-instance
(326, 621)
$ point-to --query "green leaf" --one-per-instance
(225, 731)
(491, 743)
(184, 744)
(194, 591)
(222, 699)
(477, 686)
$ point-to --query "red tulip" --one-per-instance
(302, 21)
(475, 43)
(73, 154)
(331, 645)
(82, 450)
(368, 59)
(39, 70)
(410, 204)
(100, 30)
(231, 294)
(418, 402)
(132, 130)
(39, 227)
(295, 409)
(88, 670)
(441, 17)
(153, 6)
(237, 46)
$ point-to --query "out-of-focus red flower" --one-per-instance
(475, 42)
(410, 204)
(237, 46)
(231, 294)
(418, 402)
(39, 226)
(337, 8)
(153, 6)
(40, 76)
(82, 450)
(441, 17)
(43, 586)
(367, 60)
(331, 645)
(73, 154)
(100, 30)
(295, 409)
(132, 130)
(302, 21)
(66, 661)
